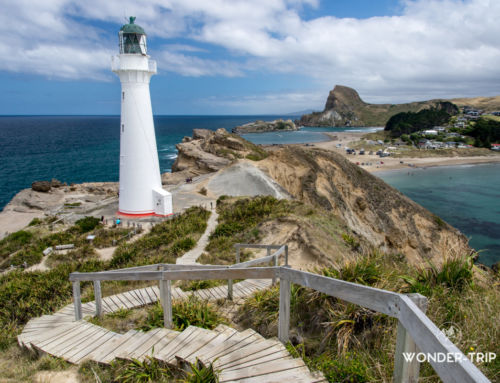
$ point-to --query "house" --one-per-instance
(431, 132)
(459, 124)
(495, 147)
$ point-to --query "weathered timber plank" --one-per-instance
(430, 339)
(376, 299)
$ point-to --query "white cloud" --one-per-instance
(268, 103)
(434, 48)
(195, 67)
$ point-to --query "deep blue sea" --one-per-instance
(86, 148)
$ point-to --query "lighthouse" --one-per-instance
(141, 192)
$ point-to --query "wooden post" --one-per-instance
(406, 371)
(98, 298)
(77, 300)
(275, 263)
(284, 313)
(230, 281)
(166, 301)
(286, 255)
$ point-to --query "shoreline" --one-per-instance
(387, 164)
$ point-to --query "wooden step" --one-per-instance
(85, 348)
(295, 375)
(245, 351)
(194, 345)
(180, 341)
(222, 337)
(101, 353)
(129, 344)
(58, 346)
(150, 347)
(281, 365)
(237, 340)
(25, 339)
(132, 346)
(252, 353)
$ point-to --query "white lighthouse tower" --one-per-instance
(141, 192)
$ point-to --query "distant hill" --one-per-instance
(344, 107)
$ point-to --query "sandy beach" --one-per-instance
(392, 163)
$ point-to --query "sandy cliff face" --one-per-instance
(371, 208)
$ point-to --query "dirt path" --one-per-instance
(192, 255)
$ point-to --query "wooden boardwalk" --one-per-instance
(238, 356)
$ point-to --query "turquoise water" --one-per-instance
(306, 134)
(467, 197)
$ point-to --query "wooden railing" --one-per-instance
(416, 332)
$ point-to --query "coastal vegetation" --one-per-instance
(485, 132)
(148, 370)
(345, 341)
(410, 122)
(26, 295)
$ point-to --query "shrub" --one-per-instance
(350, 241)
(35, 221)
(201, 284)
(87, 224)
(14, 242)
(365, 270)
(455, 273)
(30, 257)
(148, 370)
(189, 312)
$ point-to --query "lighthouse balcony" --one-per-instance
(125, 62)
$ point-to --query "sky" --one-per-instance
(247, 56)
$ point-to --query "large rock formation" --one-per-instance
(377, 212)
(266, 126)
(344, 107)
(208, 151)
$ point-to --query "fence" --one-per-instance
(416, 332)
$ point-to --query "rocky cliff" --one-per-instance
(266, 126)
(374, 210)
(208, 151)
(344, 107)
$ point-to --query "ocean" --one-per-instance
(465, 196)
(86, 149)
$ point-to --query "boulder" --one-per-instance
(41, 186)
(199, 134)
(55, 183)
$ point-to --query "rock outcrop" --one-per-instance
(41, 186)
(208, 151)
(387, 219)
(344, 107)
(266, 126)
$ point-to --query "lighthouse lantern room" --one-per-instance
(141, 192)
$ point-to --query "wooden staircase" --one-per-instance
(243, 356)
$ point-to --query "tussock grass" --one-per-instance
(148, 370)
(185, 313)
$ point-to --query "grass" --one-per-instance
(185, 313)
(352, 344)
(25, 295)
(148, 370)
(165, 242)
(238, 222)
(200, 284)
